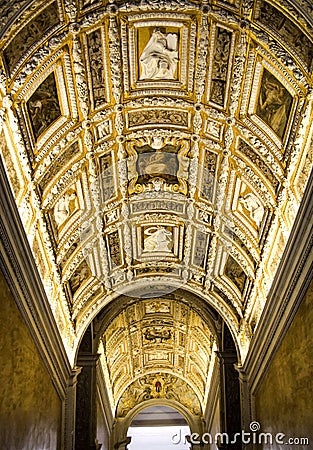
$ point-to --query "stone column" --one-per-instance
(245, 404)
(86, 414)
(230, 401)
(70, 410)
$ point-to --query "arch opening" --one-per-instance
(150, 352)
(158, 426)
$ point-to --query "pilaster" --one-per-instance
(70, 410)
(86, 419)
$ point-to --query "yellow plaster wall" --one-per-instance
(284, 401)
(30, 409)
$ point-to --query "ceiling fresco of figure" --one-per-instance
(155, 146)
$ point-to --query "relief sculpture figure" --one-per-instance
(158, 239)
(160, 56)
(62, 209)
(255, 208)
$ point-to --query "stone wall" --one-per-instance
(30, 412)
(215, 426)
(103, 433)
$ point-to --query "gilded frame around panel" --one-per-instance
(260, 68)
(58, 68)
(182, 173)
(185, 26)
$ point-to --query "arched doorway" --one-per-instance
(158, 427)
(148, 352)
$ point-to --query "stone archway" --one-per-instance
(180, 417)
(158, 426)
(153, 351)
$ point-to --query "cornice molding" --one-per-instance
(20, 271)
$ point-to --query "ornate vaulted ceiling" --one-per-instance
(153, 146)
(158, 348)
